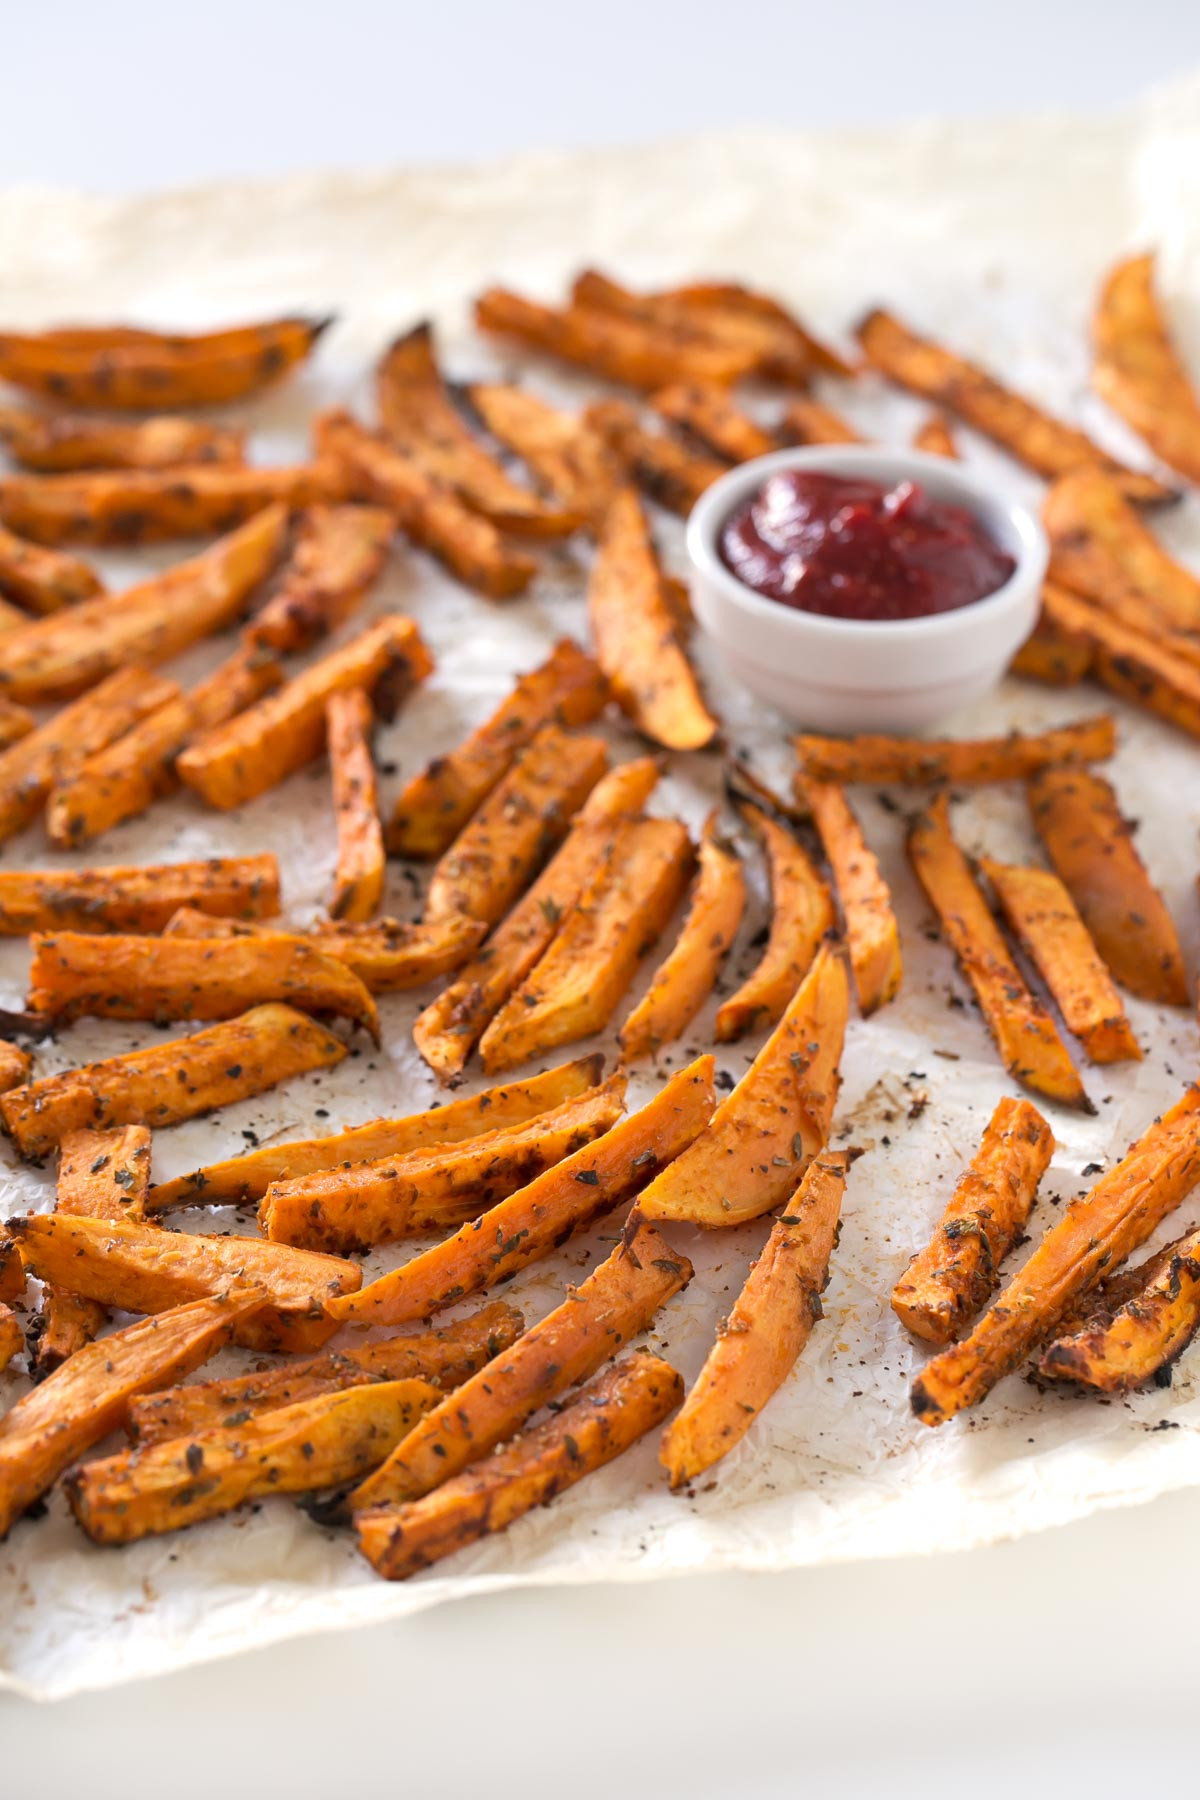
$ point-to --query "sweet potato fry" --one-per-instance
(89, 1396)
(1042, 914)
(1138, 369)
(261, 747)
(665, 468)
(1128, 1348)
(50, 659)
(16, 1067)
(636, 641)
(1100, 547)
(708, 413)
(761, 1341)
(141, 899)
(569, 458)
(60, 443)
(578, 983)
(435, 1188)
(935, 436)
(621, 349)
(43, 580)
(534, 1220)
(502, 847)
(245, 1178)
(1053, 654)
(772, 349)
(1093, 1235)
(872, 935)
(1025, 1035)
(15, 723)
(953, 1277)
(12, 1270)
(430, 514)
(337, 554)
(796, 342)
(169, 1082)
(930, 761)
(12, 1338)
(763, 1136)
(385, 954)
(801, 915)
(598, 1318)
(1075, 813)
(1044, 444)
(807, 421)
(101, 1175)
(1159, 671)
(361, 859)
(144, 506)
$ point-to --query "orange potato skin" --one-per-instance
(872, 934)
(64, 443)
(774, 344)
(12, 1271)
(1152, 668)
(12, 1338)
(1053, 654)
(807, 421)
(801, 915)
(709, 414)
(136, 899)
(386, 954)
(101, 1175)
(624, 350)
(338, 553)
(935, 436)
(1100, 547)
(666, 469)
(1124, 1351)
(16, 1066)
(731, 298)
(150, 506)
(358, 881)
(567, 455)
(43, 580)
(931, 761)
(1138, 370)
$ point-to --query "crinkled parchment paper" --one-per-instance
(995, 235)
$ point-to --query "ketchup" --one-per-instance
(855, 549)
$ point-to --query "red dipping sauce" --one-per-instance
(854, 549)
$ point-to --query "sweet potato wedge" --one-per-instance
(101, 1175)
(801, 915)
(432, 1189)
(12, 1338)
(1044, 444)
(148, 506)
(1093, 1235)
(1052, 653)
(1129, 1347)
(1100, 547)
(59, 443)
(16, 1068)
(577, 985)
(361, 858)
(502, 847)
(618, 1300)
(808, 421)
(386, 954)
(168, 1082)
(51, 659)
(774, 350)
(763, 1136)
(710, 415)
(730, 299)
(261, 747)
(43, 580)
(667, 470)
(1024, 1033)
(872, 934)
(931, 761)
(89, 1396)
(1042, 915)
(761, 1341)
(15, 723)
(569, 457)
(537, 1218)
(935, 436)
(635, 635)
(139, 900)
(624, 350)
(1075, 813)
(953, 1277)
(1157, 670)
(337, 554)
(1138, 369)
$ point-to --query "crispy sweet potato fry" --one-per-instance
(385, 954)
(11, 618)
(498, 852)
(1042, 914)
(337, 554)
(361, 859)
(872, 935)
(1053, 654)
(761, 1341)
(43, 580)
(143, 506)
(801, 915)
(709, 414)
(15, 723)
(578, 983)
(261, 747)
(168, 1082)
(665, 468)
(763, 1136)
(621, 349)
(929, 761)
(598, 1318)
(435, 1188)
(12, 1270)
(1100, 547)
(1128, 1348)
(88, 1396)
(101, 1175)
(141, 899)
(706, 298)
(773, 350)
(636, 641)
(953, 1277)
(16, 1067)
(1044, 444)
(55, 443)
(12, 1338)
(433, 516)
(50, 659)
(1138, 369)
(569, 457)
(1093, 1235)
(1025, 1035)
(935, 435)
(807, 421)
(1075, 813)
(1159, 671)
(534, 1220)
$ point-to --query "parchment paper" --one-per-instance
(995, 235)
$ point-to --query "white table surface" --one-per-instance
(1049, 1665)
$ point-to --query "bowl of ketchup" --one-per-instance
(864, 589)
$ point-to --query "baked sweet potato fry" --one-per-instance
(606, 1417)
(761, 1341)
(729, 298)
(774, 350)
(569, 458)
(763, 1136)
(935, 436)
(336, 555)
(501, 848)
(434, 1188)
(537, 1218)
(624, 350)
(136, 899)
(59, 443)
(1075, 813)
(1100, 547)
(1129, 1347)
(261, 747)
(445, 1358)
(578, 983)
(15, 723)
(635, 635)
(361, 858)
(146, 506)
(1159, 671)
(801, 915)
(431, 515)
(386, 954)
(962, 761)
(89, 1396)
(953, 1277)
(1093, 1235)
(245, 1178)
(1138, 369)
(666, 469)
(101, 1175)
(1052, 653)
(51, 659)
(169, 1082)
(1024, 1033)
(1042, 915)
(618, 1300)
(1044, 444)
(16, 1067)
(12, 1338)
(710, 415)
(808, 421)
(872, 934)
(43, 580)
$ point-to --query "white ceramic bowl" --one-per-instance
(866, 675)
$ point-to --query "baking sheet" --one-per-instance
(995, 235)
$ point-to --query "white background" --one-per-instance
(1053, 1665)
